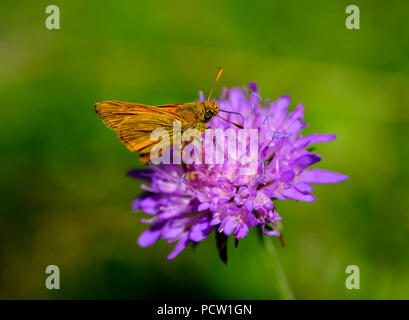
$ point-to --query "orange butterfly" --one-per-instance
(135, 122)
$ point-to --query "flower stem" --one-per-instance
(278, 272)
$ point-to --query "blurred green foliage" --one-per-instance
(65, 199)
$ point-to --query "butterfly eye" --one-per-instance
(208, 115)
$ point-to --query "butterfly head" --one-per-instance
(211, 109)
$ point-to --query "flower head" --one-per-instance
(186, 202)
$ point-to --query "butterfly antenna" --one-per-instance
(215, 81)
(239, 114)
(236, 124)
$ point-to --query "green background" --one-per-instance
(65, 199)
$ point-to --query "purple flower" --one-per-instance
(186, 202)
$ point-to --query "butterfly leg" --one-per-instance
(200, 140)
(203, 158)
(195, 139)
(211, 128)
(214, 141)
(182, 151)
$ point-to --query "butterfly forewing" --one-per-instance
(113, 113)
(134, 123)
(138, 132)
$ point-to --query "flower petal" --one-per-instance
(302, 187)
(148, 204)
(253, 86)
(318, 176)
(182, 243)
(271, 233)
(201, 229)
(149, 237)
(294, 121)
(241, 231)
(292, 193)
(287, 175)
(228, 225)
(203, 206)
(249, 205)
(307, 160)
(252, 219)
(314, 138)
(279, 110)
(141, 174)
(262, 201)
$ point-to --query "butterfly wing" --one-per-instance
(136, 133)
(188, 112)
(134, 124)
(113, 113)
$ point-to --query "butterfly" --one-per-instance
(134, 122)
